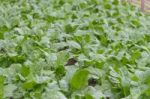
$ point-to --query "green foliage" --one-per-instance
(1, 86)
(79, 79)
(73, 49)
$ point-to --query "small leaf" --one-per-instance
(79, 79)
(25, 71)
(60, 71)
(88, 96)
(29, 85)
(74, 44)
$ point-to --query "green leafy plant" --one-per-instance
(73, 49)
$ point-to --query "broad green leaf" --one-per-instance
(28, 85)
(25, 71)
(79, 79)
(88, 96)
